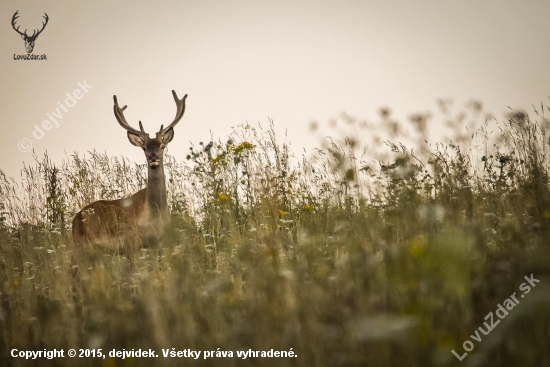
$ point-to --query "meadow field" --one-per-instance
(361, 254)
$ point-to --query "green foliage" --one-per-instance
(349, 262)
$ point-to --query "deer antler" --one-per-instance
(180, 104)
(119, 114)
(13, 19)
(34, 34)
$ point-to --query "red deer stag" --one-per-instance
(141, 218)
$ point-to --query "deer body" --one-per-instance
(139, 220)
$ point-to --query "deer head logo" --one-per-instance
(29, 40)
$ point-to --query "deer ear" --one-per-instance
(135, 139)
(168, 136)
(23, 36)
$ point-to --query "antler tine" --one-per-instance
(13, 19)
(44, 23)
(180, 104)
(122, 120)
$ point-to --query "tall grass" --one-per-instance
(348, 260)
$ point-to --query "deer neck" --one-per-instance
(155, 192)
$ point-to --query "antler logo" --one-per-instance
(29, 40)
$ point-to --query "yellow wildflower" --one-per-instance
(222, 197)
(417, 246)
(243, 146)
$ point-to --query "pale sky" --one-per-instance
(247, 61)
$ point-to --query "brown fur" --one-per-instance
(106, 220)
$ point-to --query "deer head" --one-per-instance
(29, 40)
(152, 147)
